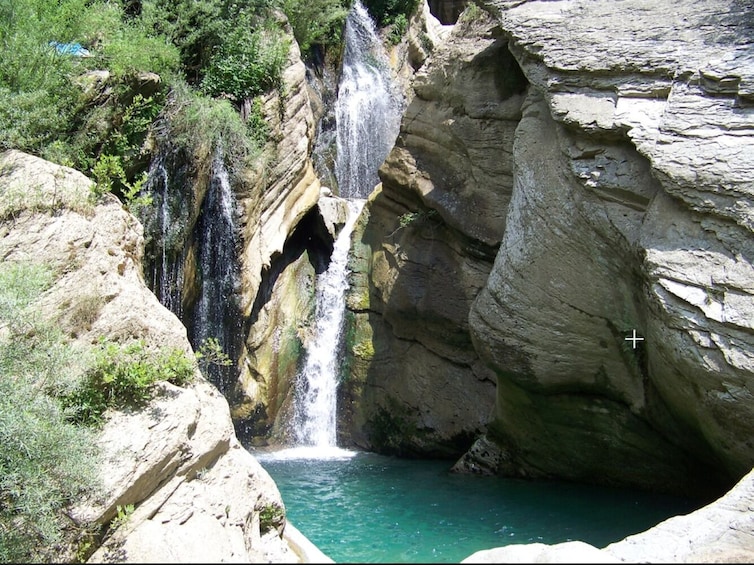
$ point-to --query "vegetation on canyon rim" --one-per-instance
(208, 57)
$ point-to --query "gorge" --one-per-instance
(561, 174)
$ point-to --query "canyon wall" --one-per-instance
(425, 250)
(569, 173)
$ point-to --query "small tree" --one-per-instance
(248, 62)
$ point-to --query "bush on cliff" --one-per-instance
(386, 12)
(125, 375)
(46, 462)
(316, 22)
(47, 388)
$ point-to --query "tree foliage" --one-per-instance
(247, 63)
(316, 22)
(385, 12)
(54, 105)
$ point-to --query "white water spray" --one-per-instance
(318, 399)
(368, 108)
(368, 112)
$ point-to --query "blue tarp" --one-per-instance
(75, 49)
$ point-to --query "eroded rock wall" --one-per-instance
(631, 210)
(599, 155)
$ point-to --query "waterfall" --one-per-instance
(216, 313)
(367, 110)
(209, 308)
(316, 407)
(165, 223)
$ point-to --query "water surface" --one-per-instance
(367, 508)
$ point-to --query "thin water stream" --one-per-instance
(315, 421)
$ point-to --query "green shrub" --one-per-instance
(247, 63)
(43, 109)
(46, 462)
(125, 375)
(110, 176)
(316, 22)
(409, 218)
(130, 50)
(32, 120)
(271, 516)
(134, 122)
(385, 12)
(199, 124)
(195, 27)
(211, 353)
(398, 29)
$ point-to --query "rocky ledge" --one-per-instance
(631, 211)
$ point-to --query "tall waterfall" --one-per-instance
(368, 111)
(316, 406)
(368, 107)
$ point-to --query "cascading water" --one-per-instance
(213, 312)
(216, 313)
(368, 107)
(317, 400)
(368, 112)
(164, 222)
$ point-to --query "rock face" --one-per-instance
(198, 495)
(721, 532)
(631, 210)
(425, 250)
(291, 188)
(567, 173)
(285, 204)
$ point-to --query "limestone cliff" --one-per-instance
(198, 495)
(631, 210)
(569, 172)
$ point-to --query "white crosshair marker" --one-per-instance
(633, 339)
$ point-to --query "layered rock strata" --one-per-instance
(425, 248)
(631, 210)
(568, 174)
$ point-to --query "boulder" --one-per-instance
(566, 552)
